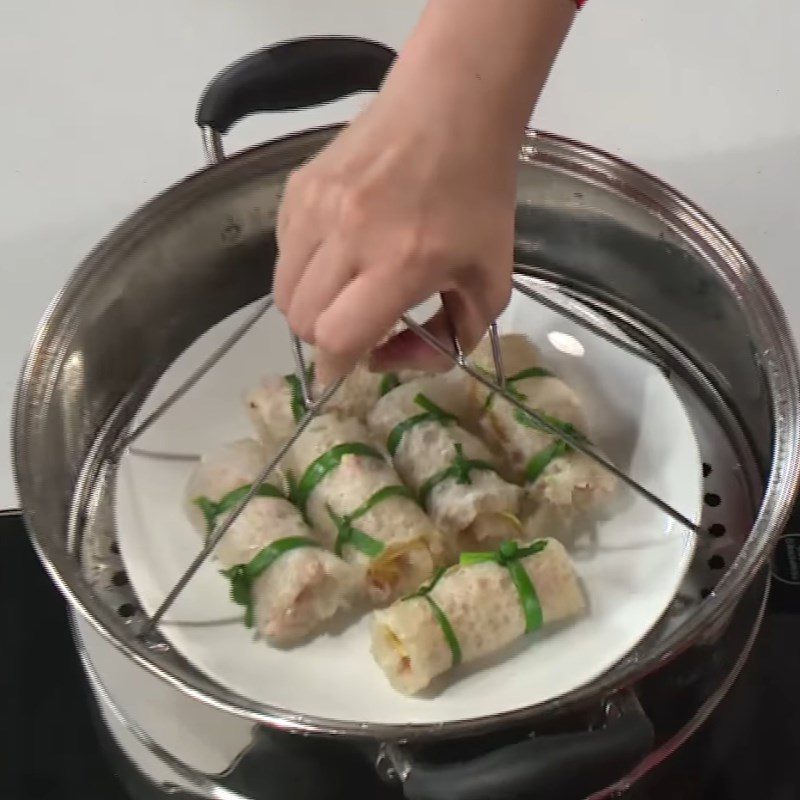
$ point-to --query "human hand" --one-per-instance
(397, 208)
(415, 197)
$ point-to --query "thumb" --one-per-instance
(406, 350)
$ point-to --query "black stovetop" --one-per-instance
(749, 750)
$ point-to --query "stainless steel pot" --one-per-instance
(608, 235)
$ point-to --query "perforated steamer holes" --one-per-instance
(119, 578)
(126, 610)
(713, 549)
(716, 562)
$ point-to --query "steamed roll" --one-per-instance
(350, 492)
(560, 482)
(361, 389)
(288, 584)
(276, 405)
(454, 473)
(474, 609)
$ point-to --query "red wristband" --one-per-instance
(580, 3)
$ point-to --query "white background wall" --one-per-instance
(99, 95)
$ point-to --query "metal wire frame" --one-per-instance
(313, 407)
(195, 377)
(549, 427)
(233, 514)
(584, 322)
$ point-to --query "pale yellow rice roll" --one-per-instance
(484, 610)
(270, 408)
(273, 404)
(305, 586)
(483, 509)
(571, 484)
(411, 544)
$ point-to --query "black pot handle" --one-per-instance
(299, 73)
(568, 766)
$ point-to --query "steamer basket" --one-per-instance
(599, 234)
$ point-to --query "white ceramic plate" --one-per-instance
(631, 568)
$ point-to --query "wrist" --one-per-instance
(481, 62)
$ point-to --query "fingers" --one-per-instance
(296, 248)
(470, 310)
(299, 230)
(407, 350)
(352, 261)
(365, 311)
(327, 273)
(329, 367)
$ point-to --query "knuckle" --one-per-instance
(411, 250)
(305, 189)
(353, 208)
(310, 193)
(433, 248)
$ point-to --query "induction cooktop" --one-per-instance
(50, 747)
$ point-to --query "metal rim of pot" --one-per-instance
(308, 87)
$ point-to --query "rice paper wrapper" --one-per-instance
(487, 504)
(306, 586)
(484, 609)
(572, 484)
(413, 544)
